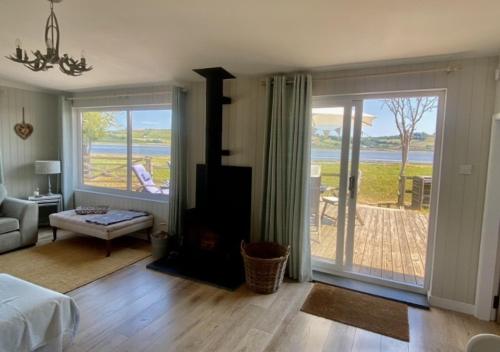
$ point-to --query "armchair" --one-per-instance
(18, 222)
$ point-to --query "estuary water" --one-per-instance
(366, 155)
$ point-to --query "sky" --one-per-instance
(384, 124)
(160, 119)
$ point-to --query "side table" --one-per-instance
(47, 204)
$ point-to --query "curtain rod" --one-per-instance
(124, 95)
(448, 69)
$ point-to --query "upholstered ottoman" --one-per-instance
(69, 220)
(33, 318)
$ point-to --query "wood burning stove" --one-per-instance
(214, 229)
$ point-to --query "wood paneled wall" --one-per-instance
(19, 155)
(243, 135)
(469, 107)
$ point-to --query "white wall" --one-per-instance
(489, 260)
(243, 135)
(19, 155)
(469, 107)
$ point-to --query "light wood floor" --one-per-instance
(390, 243)
(136, 309)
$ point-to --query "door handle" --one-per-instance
(352, 186)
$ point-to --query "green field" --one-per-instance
(110, 170)
(379, 181)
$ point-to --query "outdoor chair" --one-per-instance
(333, 200)
(147, 183)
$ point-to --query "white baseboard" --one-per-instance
(456, 306)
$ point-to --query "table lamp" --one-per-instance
(48, 167)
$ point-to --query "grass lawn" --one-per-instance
(379, 181)
(110, 170)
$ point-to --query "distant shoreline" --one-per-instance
(318, 155)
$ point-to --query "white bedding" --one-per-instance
(33, 318)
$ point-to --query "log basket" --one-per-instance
(265, 264)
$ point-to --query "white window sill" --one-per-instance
(163, 199)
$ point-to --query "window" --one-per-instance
(126, 150)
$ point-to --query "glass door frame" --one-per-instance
(348, 103)
(343, 183)
(348, 183)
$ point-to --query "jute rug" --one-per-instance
(67, 264)
(360, 310)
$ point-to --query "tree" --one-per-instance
(94, 126)
(407, 114)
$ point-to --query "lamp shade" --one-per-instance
(47, 167)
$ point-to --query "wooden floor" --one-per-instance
(136, 309)
(390, 243)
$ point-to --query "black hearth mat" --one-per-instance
(222, 276)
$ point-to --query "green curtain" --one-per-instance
(1, 169)
(285, 207)
(67, 138)
(178, 175)
(3, 190)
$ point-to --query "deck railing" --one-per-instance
(111, 171)
(89, 163)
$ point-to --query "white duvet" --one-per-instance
(33, 318)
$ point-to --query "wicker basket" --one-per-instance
(265, 264)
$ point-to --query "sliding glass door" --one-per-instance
(371, 184)
(329, 183)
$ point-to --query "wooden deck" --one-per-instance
(391, 244)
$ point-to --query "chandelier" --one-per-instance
(43, 62)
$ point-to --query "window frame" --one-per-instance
(111, 191)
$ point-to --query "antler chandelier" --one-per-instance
(43, 62)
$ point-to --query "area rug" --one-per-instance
(70, 263)
(360, 310)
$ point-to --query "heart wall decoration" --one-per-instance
(23, 129)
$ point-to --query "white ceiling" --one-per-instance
(154, 41)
